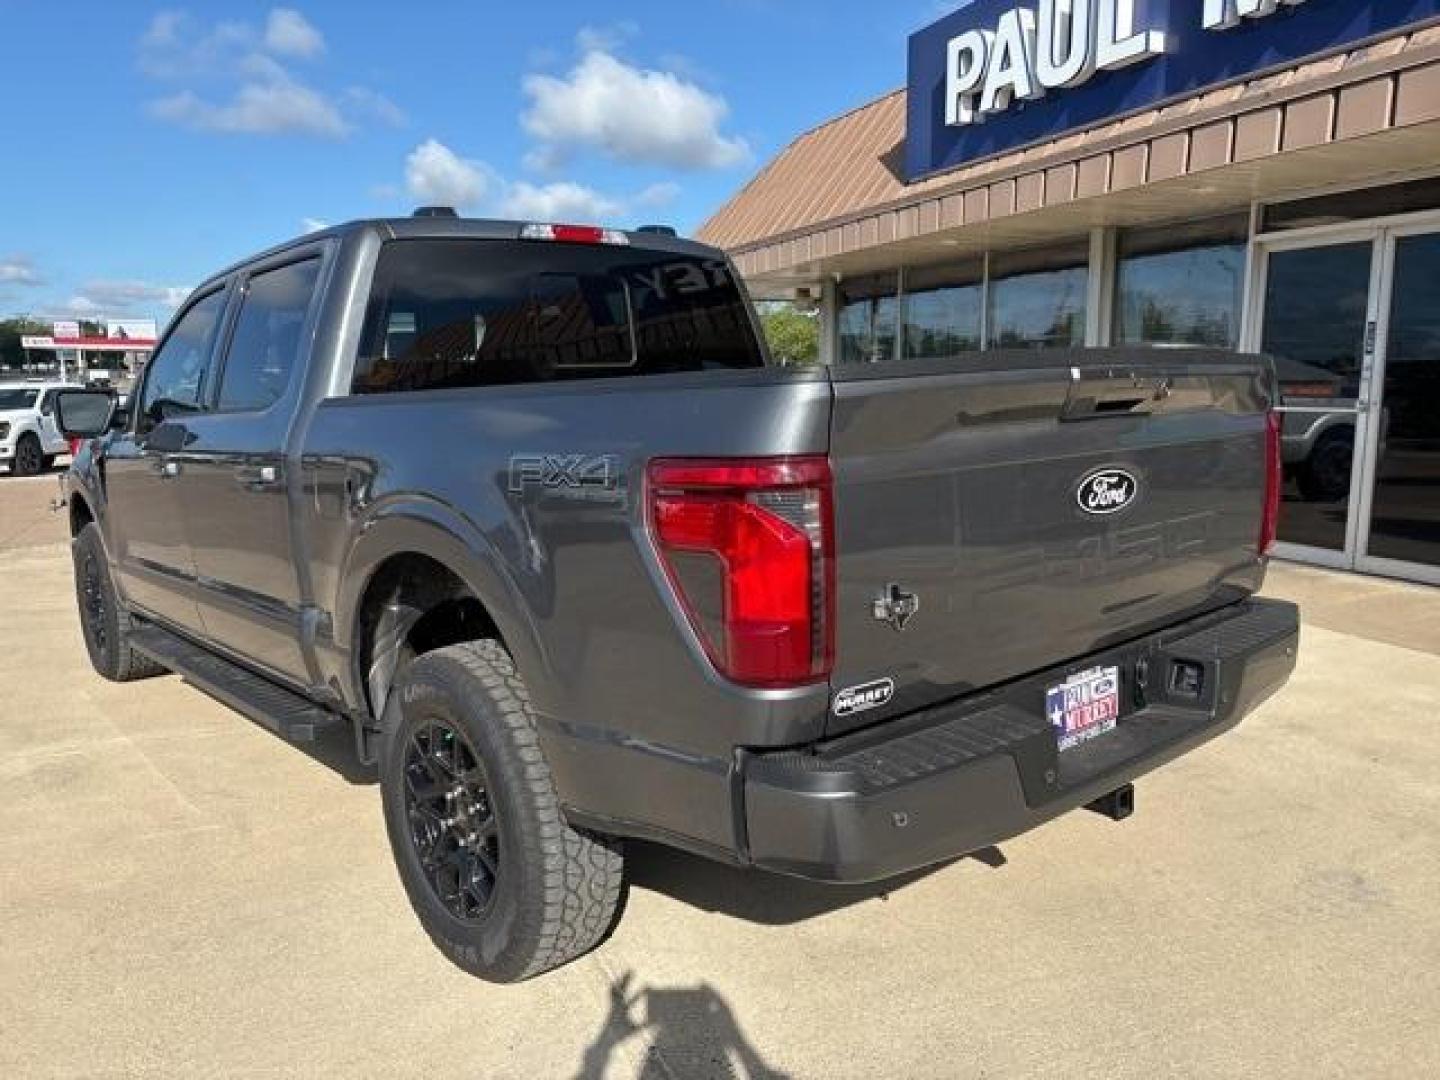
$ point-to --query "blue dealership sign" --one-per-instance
(1001, 74)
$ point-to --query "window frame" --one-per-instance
(223, 287)
(240, 292)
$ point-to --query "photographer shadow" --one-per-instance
(693, 1032)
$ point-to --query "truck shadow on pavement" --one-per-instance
(693, 1033)
(755, 895)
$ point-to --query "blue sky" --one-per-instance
(149, 145)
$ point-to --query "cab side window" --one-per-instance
(266, 346)
(175, 380)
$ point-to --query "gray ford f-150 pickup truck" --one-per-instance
(528, 508)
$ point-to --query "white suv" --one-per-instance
(29, 437)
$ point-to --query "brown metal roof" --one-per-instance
(838, 188)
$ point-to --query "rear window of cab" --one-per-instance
(446, 314)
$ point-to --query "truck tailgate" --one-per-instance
(1009, 512)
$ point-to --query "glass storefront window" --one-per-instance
(1182, 284)
(943, 309)
(868, 310)
(1359, 205)
(1037, 299)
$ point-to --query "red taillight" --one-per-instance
(1274, 481)
(766, 526)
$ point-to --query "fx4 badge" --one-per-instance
(895, 607)
(575, 471)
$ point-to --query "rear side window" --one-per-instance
(265, 348)
(464, 313)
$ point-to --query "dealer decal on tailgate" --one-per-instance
(1084, 706)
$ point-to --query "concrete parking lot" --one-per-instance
(182, 894)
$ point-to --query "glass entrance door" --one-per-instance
(1353, 324)
(1318, 323)
(1402, 504)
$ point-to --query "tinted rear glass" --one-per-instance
(462, 313)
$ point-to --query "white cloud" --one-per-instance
(175, 46)
(606, 38)
(257, 109)
(82, 306)
(242, 84)
(163, 31)
(17, 271)
(564, 201)
(313, 224)
(628, 114)
(117, 298)
(657, 195)
(437, 175)
(288, 33)
(367, 102)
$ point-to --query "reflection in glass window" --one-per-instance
(1182, 285)
(868, 312)
(1037, 299)
(943, 310)
(265, 345)
(451, 314)
(176, 376)
(1316, 306)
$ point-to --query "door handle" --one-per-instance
(257, 477)
(167, 470)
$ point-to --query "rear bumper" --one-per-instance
(963, 777)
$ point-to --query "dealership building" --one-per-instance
(1253, 174)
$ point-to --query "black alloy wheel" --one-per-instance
(104, 623)
(504, 885)
(452, 820)
(94, 609)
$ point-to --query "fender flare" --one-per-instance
(427, 527)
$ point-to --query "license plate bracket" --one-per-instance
(1084, 707)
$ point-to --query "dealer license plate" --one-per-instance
(1084, 706)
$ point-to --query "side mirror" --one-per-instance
(84, 414)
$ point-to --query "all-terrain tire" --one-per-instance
(104, 622)
(556, 890)
(29, 457)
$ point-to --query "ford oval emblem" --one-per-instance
(1107, 491)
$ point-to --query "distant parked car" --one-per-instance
(29, 439)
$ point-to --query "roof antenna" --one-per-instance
(436, 211)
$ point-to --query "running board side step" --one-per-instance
(286, 713)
